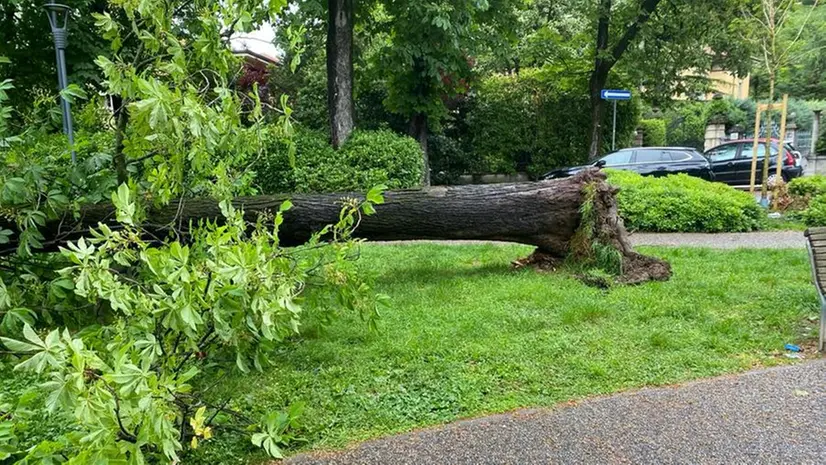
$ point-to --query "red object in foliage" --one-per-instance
(253, 73)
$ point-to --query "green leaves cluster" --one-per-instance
(808, 185)
(815, 213)
(653, 132)
(136, 385)
(131, 332)
(431, 48)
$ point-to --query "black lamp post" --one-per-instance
(59, 19)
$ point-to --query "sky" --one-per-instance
(259, 41)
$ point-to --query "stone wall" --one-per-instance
(715, 135)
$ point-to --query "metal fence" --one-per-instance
(803, 142)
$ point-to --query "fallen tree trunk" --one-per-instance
(544, 214)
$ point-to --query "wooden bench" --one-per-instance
(816, 243)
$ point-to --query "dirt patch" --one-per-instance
(542, 261)
(638, 268)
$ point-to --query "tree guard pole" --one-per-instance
(61, 40)
(767, 157)
(754, 148)
(781, 149)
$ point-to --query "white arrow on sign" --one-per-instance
(610, 94)
(614, 94)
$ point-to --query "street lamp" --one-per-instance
(59, 19)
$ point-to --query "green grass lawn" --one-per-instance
(467, 335)
(784, 224)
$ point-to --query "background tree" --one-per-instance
(545, 33)
(659, 49)
(803, 76)
(765, 25)
(430, 54)
(337, 39)
(607, 53)
(666, 46)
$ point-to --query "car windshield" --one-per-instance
(723, 153)
(651, 156)
(617, 158)
(761, 150)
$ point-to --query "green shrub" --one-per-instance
(681, 203)
(536, 121)
(809, 185)
(384, 157)
(653, 131)
(800, 111)
(815, 215)
(686, 125)
(686, 122)
(369, 158)
(92, 116)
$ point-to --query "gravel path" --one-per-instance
(756, 240)
(768, 416)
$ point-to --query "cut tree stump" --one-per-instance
(545, 214)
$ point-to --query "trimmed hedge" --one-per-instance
(815, 215)
(681, 203)
(810, 193)
(653, 132)
(536, 121)
(808, 185)
(369, 158)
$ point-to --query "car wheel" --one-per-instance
(773, 177)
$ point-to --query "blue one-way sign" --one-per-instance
(613, 94)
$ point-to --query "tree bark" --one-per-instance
(604, 61)
(764, 177)
(340, 70)
(121, 114)
(595, 86)
(544, 214)
(418, 131)
(599, 76)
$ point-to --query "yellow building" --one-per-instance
(728, 85)
(722, 82)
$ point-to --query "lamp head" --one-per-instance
(58, 15)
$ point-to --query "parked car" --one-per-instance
(648, 161)
(731, 161)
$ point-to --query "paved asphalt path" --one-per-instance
(757, 240)
(772, 416)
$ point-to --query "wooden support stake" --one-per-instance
(781, 149)
(755, 147)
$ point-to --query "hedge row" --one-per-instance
(808, 185)
(681, 203)
(812, 190)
